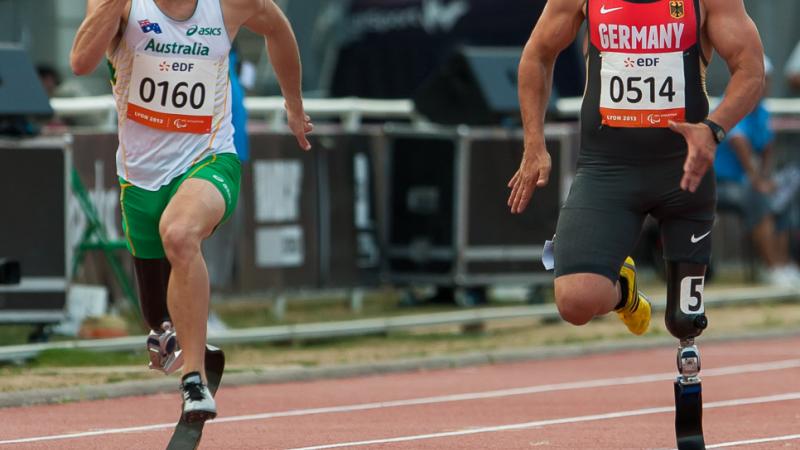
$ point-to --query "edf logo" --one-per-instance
(175, 67)
(647, 62)
(148, 26)
(182, 67)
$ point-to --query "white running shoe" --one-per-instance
(779, 277)
(165, 353)
(792, 273)
(198, 403)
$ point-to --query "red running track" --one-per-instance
(609, 401)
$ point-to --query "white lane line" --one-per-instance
(566, 420)
(789, 437)
(529, 390)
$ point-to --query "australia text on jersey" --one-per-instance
(174, 48)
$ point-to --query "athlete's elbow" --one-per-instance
(80, 65)
(759, 83)
(761, 74)
(756, 75)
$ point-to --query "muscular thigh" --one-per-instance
(206, 195)
(599, 224)
(197, 207)
(141, 212)
(686, 219)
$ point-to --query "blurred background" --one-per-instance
(399, 213)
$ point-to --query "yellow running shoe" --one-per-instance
(636, 311)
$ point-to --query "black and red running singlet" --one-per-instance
(645, 67)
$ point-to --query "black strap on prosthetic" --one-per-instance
(685, 319)
(152, 278)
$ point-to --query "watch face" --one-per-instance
(720, 136)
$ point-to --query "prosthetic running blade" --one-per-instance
(689, 399)
(187, 435)
(689, 416)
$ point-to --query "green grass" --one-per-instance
(242, 313)
(15, 334)
(85, 358)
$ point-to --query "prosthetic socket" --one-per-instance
(152, 278)
(685, 316)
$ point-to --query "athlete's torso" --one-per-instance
(171, 86)
(645, 67)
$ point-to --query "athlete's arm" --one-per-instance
(97, 33)
(767, 165)
(735, 37)
(270, 22)
(768, 160)
(557, 28)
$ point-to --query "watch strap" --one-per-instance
(716, 130)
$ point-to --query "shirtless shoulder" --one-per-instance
(123, 23)
(238, 12)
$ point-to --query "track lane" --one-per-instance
(343, 426)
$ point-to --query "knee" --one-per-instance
(574, 307)
(181, 243)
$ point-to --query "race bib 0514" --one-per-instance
(642, 90)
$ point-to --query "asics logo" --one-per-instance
(695, 240)
(603, 9)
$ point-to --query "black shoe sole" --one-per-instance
(198, 416)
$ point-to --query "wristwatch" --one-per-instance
(716, 130)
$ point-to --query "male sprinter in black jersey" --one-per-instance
(647, 140)
(647, 144)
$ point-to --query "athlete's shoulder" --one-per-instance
(716, 6)
(568, 5)
(241, 11)
(247, 7)
(564, 9)
(126, 13)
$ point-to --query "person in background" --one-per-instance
(51, 82)
(50, 79)
(744, 167)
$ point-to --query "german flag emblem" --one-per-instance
(676, 9)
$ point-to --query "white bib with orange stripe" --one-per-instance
(172, 91)
(172, 94)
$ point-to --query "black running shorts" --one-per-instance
(600, 222)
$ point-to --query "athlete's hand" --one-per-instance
(702, 148)
(300, 124)
(533, 172)
(764, 185)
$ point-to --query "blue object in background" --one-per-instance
(239, 112)
(755, 127)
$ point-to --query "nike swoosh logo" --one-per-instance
(603, 9)
(695, 240)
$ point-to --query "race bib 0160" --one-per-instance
(173, 94)
(642, 90)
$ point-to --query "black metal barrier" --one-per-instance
(448, 221)
(33, 203)
(310, 217)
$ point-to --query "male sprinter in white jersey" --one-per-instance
(178, 169)
(647, 144)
